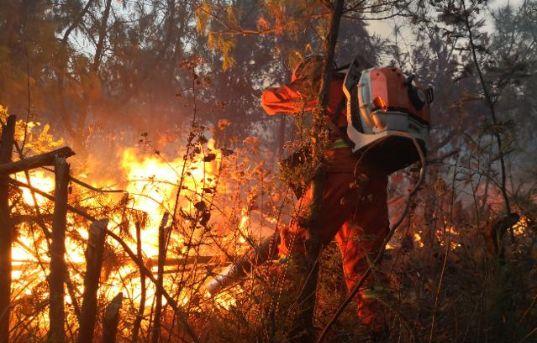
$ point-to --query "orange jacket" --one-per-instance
(297, 97)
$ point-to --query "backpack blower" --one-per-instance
(387, 114)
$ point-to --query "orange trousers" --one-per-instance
(354, 210)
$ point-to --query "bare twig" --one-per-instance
(490, 104)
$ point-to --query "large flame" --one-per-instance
(152, 183)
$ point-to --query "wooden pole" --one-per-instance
(155, 332)
(6, 149)
(141, 308)
(94, 262)
(57, 258)
(111, 319)
(37, 161)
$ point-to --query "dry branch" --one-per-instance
(73, 209)
(155, 333)
(94, 262)
(111, 319)
(37, 161)
(143, 289)
(179, 261)
(139, 262)
(90, 187)
(57, 258)
(6, 148)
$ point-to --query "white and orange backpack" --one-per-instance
(387, 115)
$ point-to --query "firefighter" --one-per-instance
(353, 201)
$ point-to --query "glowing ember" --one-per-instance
(418, 240)
(520, 228)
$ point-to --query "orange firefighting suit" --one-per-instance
(355, 212)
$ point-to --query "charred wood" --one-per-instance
(111, 319)
(6, 234)
(143, 289)
(57, 258)
(94, 262)
(155, 333)
(37, 161)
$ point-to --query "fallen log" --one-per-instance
(37, 161)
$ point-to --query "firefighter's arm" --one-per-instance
(288, 99)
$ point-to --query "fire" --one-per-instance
(520, 228)
(213, 220)
(152, 183)
(418, 240)
(39, 179)
(227, 298)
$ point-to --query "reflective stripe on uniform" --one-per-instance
(340, 143)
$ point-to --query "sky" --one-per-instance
(384, 28)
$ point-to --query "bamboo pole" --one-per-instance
(6, 149)
(57, 258)
(111, 319)
(94, 262)
(155, 332)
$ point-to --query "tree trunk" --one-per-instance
(99, 49)
(94, 262)
(57, 260)
(111, 319)
(155, 333)
(303, 326)
(6, 149)
(330, 48)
